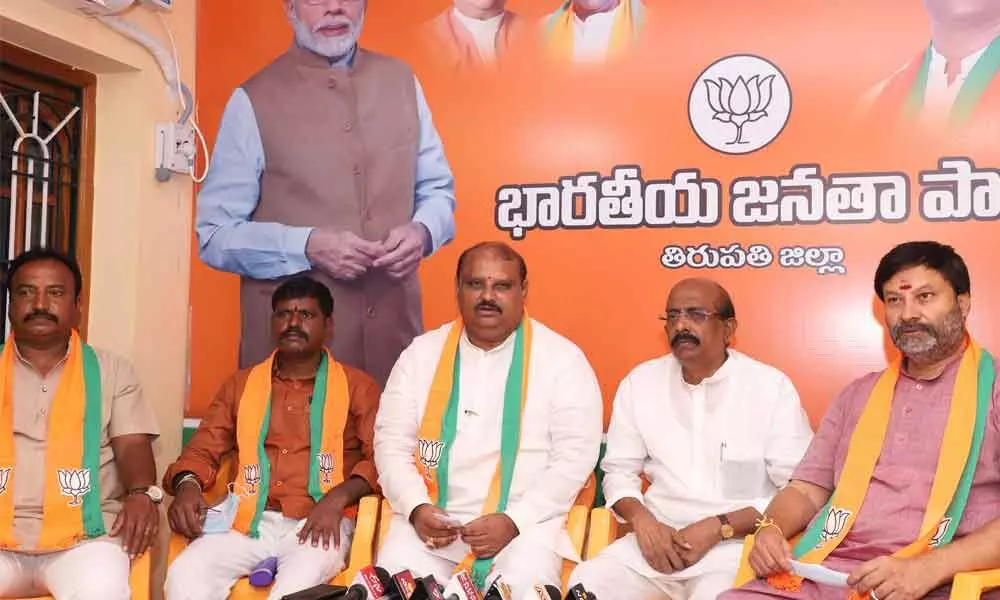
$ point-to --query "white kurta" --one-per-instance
(939, 93)
(560, 433)
(592, 36)
(730, 442)
(483, 33)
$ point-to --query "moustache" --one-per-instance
(901, 328)
(333, 22)
(41, 314)
(684, 336)
(293, 331)
(489, 305)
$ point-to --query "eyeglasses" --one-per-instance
(695, 315)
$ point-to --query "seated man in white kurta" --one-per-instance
(716, 433)
(487, 430)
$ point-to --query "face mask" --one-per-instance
(219, 518)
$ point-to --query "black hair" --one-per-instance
(500, 248)
(933, 255)
(726, 310)
(302, 286)
(40, 254)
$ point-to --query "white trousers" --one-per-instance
(69, 574)
(609, 577)
(528, 560)
(210, 566)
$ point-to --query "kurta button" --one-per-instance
(279, 483)
(284, 450)
(348, 126)
(356, 170)
(371, 312)
(332, 82)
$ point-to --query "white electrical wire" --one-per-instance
(170, 65)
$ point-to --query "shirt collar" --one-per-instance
(24, 361)
(938, 62)
(491, 25)
(721, 374)
(601, 16)
(469, 346)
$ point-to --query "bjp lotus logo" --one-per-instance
(739, 104)
(942, 529)
(4, 478)
(251, 474)
(430, 452)
(74, 484)
(836, 520)
(325, 460)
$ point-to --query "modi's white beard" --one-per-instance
(330, 47)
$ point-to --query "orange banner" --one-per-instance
(778, 149)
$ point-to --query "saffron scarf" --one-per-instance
(328, 412)
(71, 509)
(905, 93)
(438, 427)
(624, 31)
(959, 455)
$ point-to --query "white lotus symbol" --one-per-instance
(74, 483)
(739, 103)
(942, 528)
(836, 518)
(4, 478)
(251, 473)
(430, 452)
(325, 465)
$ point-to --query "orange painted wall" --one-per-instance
(604, 288)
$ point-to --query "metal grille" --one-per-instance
(40, 149)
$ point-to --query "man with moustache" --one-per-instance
(487, 430)
(476, 33)
(327, 162)
(78, 488)
(900, 489)
(716, 433)
(593, 31)
(300, 425)
(954, 80)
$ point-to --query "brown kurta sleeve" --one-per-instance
(359, 444)
(214, 439)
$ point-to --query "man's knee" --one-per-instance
(103, 587)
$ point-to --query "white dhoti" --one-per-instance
(528, 560)
(210, 566)
(620, 572)
(69, 574)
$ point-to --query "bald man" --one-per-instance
(953, 81)
(716, 433)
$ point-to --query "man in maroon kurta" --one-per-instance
(926, 291)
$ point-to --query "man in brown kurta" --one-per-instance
(310, 539)
(327, 162)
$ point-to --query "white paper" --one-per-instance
(819, 574)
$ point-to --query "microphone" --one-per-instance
(371, 583)
(544, 592)
(403, 585)
(496, 589)
(461, 587)
(578, 592)
(427, 588)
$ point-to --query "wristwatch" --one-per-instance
(726, 530)
(155, 493)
